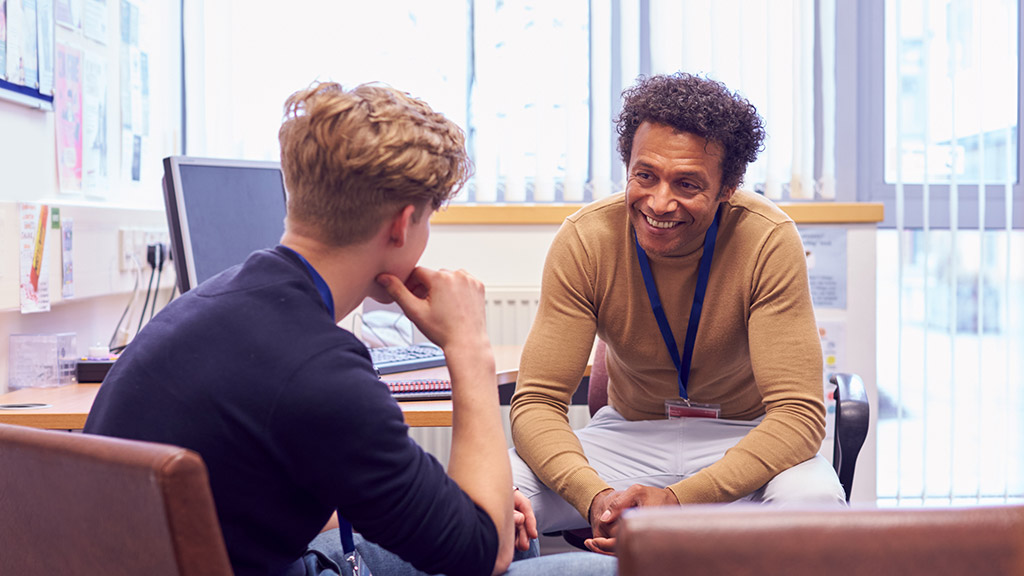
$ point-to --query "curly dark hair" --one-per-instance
(701, 106)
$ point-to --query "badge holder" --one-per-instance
(679, 408)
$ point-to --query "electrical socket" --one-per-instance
(126, 248)
(133, 242)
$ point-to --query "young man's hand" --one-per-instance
(447, 306)
(525, 521)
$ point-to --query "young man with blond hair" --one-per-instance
(251, 371)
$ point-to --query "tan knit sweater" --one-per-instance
(757, 349)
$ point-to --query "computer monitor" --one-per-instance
(220, 211)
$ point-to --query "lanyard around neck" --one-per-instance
(318, 281)
(682, 364)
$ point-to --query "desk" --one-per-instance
(69, 405)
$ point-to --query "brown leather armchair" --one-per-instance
(75, 504)
(759, 540)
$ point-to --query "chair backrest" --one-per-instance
(853, 416)
(736, 540)
(851, 425)
(80, 504)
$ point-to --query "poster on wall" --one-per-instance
(26, 52)
(833, 354)
(68, 104)
(94, 126)
(68, 13)
(94, 20)
(833, 345)
(44, 33)
(15, 70)
(67, 273)
(3, 38)
(32, 254)
(28, 60)
(134, 94)
(825, 249)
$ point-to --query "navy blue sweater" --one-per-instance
(250, 371)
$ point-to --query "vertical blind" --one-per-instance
(764, 50)
(535, 84)
(950, 350)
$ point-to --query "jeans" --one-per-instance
(326, 558)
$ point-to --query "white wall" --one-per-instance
(102, 289)
(28, 173)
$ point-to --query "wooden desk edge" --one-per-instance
(70, 405)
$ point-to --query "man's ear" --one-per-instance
(725, 194)
(399, 227)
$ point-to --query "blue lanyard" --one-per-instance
(318, 281)
(682, 364)
(344, 526)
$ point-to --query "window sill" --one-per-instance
(800, 212)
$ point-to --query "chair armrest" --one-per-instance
(853, 416)
(755, 539)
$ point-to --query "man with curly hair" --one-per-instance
(732, 411)
(251, 371)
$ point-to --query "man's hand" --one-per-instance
(607, 508)
(525, 521)
(447, 306)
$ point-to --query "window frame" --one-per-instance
(861, 57)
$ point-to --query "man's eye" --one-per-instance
(642, 176)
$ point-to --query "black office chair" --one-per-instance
(851, 427)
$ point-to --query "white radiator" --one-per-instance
(510, 313)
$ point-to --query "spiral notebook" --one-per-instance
(420, 389)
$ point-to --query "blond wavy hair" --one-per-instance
(351, 159)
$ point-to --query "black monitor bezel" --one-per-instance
(177, 213)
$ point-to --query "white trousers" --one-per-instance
(663, 452)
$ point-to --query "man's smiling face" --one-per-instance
(674, 187)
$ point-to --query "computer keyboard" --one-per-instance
(424, 395)
(391, 359)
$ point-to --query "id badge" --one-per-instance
(679, 408)
(356, 564)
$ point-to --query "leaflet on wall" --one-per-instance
(131, 156)
(67, 275)
(44, 32)
(29, 60)
(833, 345)
(833, 354)
(134, 93)
(94, 125)
(68, 13)
(15, 43)
(68, 104)
(94, 20)
(3, 39)
(825, 248)
(34, 282)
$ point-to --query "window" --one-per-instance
(951, 91)
(514, 75)
(534, 83)
(939, 144)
